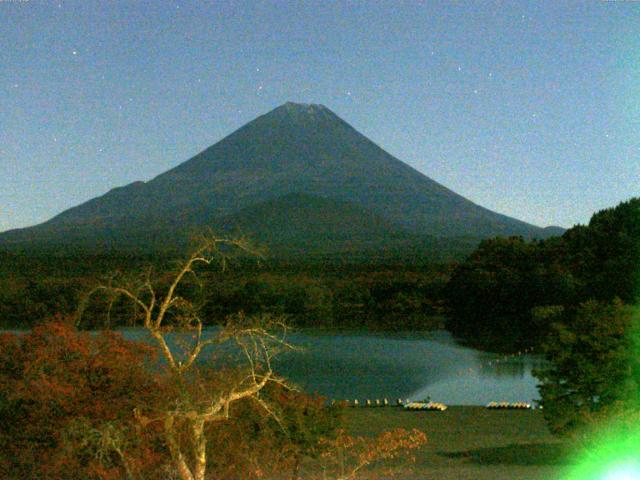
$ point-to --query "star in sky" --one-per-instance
(565, 46)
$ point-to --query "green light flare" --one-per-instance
(614, 454)
(624, 471)
(613, 458)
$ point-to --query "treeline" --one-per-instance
(509, 291)
(380, 299)
(327, 295)
(504, 296)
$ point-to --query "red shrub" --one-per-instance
(67, 401)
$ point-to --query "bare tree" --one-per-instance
(163, 311)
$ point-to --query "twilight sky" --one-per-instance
(531, 109)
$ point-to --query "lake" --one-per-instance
(416, 365)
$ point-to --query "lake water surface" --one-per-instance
(415, 365)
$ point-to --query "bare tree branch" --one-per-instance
(252, 335)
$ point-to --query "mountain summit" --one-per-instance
(297, 156)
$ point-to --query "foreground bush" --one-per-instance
(79, 406)
(66, 405)
(74, 405)
(384, 457)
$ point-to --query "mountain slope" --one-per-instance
(294, 149)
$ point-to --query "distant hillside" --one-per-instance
(553, 231)
(303, 222)
(301, 225)
(298, 175)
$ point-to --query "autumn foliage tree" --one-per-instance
(66, 403)
(254, 445)
(346, 457)
(74, 405)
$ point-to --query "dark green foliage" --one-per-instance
(23, 301)
(301, 298)
(310, 294)
(384, 298)
(593, 365)
(568, 296)
(491, 294)
(605, 255)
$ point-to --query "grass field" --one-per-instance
(471, 442)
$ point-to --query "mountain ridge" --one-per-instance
(294, 149)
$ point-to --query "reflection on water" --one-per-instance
(511, 368)
(414, 365)
(364, 366)
(405, 365)
(487, 377)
